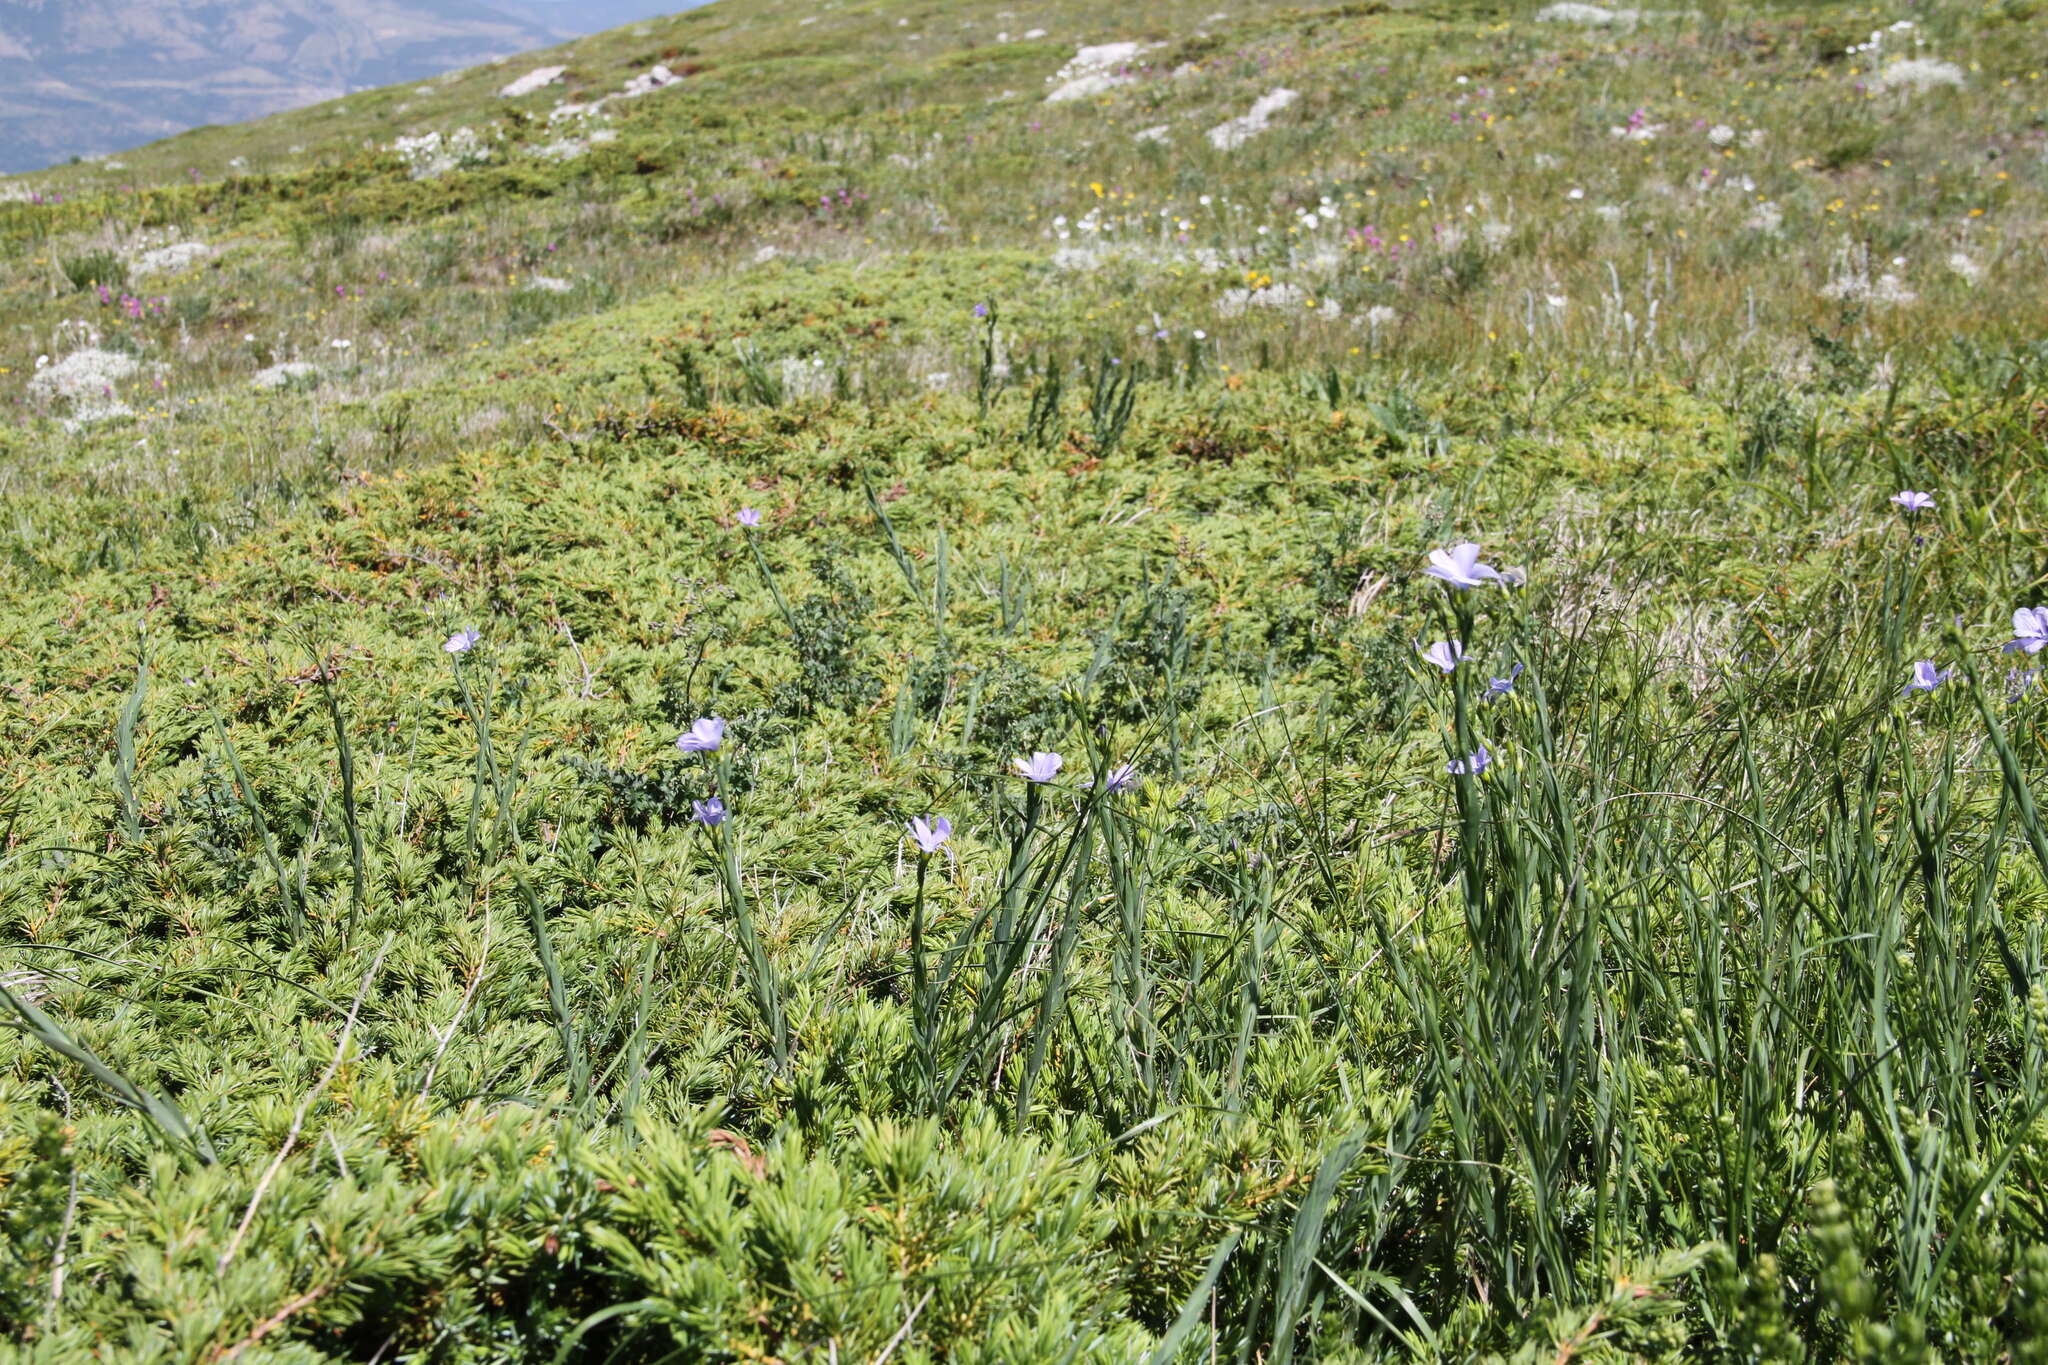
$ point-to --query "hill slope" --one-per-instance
(86, 77)
(1467, 583)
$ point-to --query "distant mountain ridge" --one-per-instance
(86, 77)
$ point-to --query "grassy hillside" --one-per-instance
(1633, 955)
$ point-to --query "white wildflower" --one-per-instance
(1920, 75)
(86, 375)
(1235, 301)
(429, 154)
(1853, 283)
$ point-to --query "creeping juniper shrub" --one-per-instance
(832, 624)
(1005, 708)
(1152, 670)
(638, 801)
(1301, 1045)
(1839, 366)
(1766, 424)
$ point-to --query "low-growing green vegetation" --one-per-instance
(843, 712)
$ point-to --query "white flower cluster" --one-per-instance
(1236, 301)
(1855, 282)
(86, 374)
(85, 379)
(430, 154)
(1918, 74)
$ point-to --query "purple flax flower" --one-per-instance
(981, 310)
(1926, 677)
(1473, 764)
(1040, 767)
(2018, 682)
(750, 516)
(1445, 654)
(461, 642)
(2030, 631)
(704, 736)
(1122, 778)
(710, 814)
(1909, 501)
(1500, 687)
(1459, 566)
(930, 835)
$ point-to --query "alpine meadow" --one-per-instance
(910, 681)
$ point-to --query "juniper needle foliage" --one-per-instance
(1207, 682)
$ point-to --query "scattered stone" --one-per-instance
(1238, 131)
(285, 375)
(167, 260)
(536, 79)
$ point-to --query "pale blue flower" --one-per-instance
(2030, 631)
(1040, 767)
(1500, 687)
(1473, 764)
(704, 736)
(1459, 566)
(931, 834)
(1909, 501)
(462, 641)
(1122, 778)
(1445, 654)
(1926, 677)
(750, 516)
(710, 813)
